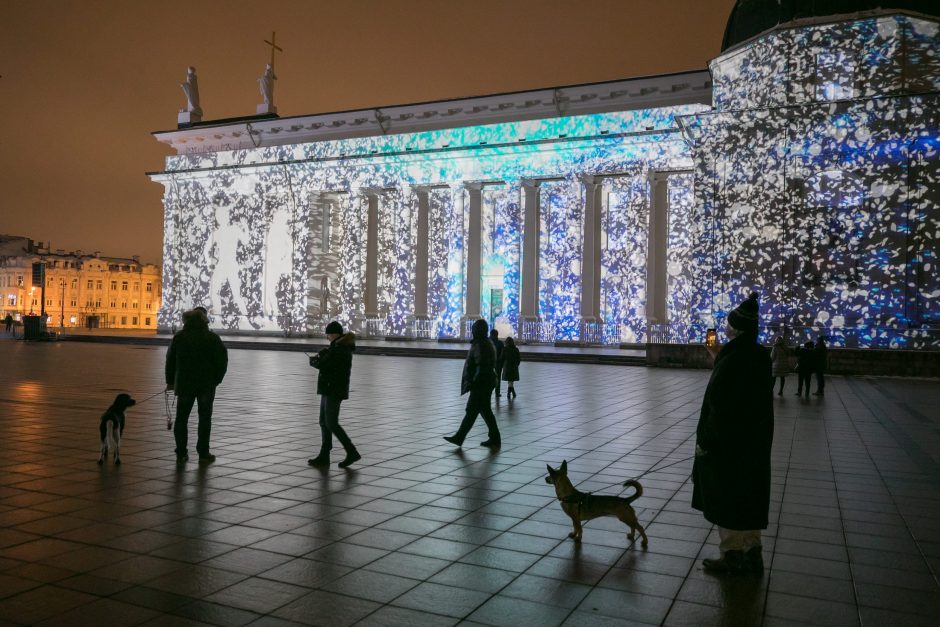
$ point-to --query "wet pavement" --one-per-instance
(422, 533)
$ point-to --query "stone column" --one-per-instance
(591, 253)
(421, 253)
(531, 234)
(474, 243)
(371, 295)
(656, 249)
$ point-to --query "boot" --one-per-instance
(351, 458)
(492, 441)
(732, 563)
(453, 439)
(321, 460)
(754, 560)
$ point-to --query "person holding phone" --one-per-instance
(335, 365)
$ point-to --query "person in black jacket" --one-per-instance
(805, 365)
(335, 365)
(494, 337)
(511, 360)
(731, 472)
(821, 361)
(479, 378)
(195, 366)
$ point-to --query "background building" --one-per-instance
(82, 290)
(804, 165)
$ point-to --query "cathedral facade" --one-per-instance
(803, 165)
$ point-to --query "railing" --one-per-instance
(538, 332)
(425, 329)
(374, 328)
(600, 333)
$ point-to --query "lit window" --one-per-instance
(11, 299)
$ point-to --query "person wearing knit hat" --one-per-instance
(335, 365)
(731, 471)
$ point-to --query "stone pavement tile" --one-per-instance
(408, 565)
(546, 591)
(507, 612)
(371, 585)
(216, 614)
(101, 612)
(196, 581)
(38, 604)
(815, 611)
(327, 609)
(628, 605)
(389, 616)
(471, 577)
(247, 561)
(685, 614)
(257, 595)
(440, 599)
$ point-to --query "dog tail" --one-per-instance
(636, 486)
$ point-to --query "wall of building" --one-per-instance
(82, 290)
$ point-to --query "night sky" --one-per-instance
(84, 83)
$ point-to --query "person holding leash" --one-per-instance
(335, 365)
(195, 366)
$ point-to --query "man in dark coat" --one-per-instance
(494, 337)
(479, 378)
(731, 473)
(335, 365)
(805, 365)
(8, 321)
(195, 365)
(820, 362)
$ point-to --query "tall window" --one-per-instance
(113, 285)
(99, 285)
(123, 286)
(90, 284)
(149, 287)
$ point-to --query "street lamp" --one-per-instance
(31, 299)
(62, 305)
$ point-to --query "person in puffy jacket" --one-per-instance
(780, 362)
(479, 379)
(335, 365)
(195, 366)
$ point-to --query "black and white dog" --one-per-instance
(112, 426)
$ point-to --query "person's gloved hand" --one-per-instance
(699, 451)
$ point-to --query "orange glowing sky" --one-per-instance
(84, 83)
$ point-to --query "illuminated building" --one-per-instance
(804, 165)
(82, 290)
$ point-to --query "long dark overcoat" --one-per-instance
(735, 431)
(511, 359)
(479, 369)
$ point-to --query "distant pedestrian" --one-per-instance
(8, 322)
(335, 365)
(780, 358)
(479, 378)
(511, 359)
(731, 472)
(195, 366)
(821, 363)
(494, 337)
(805, 365)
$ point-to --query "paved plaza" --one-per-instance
(422, 533)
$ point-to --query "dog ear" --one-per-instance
(551, 470)
(564, 466)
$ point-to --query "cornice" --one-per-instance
(624, 95)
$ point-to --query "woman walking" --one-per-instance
(780, 362)
(479, 378)
(511, 359)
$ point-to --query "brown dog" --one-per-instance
(585, 506)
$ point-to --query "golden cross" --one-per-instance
(274, 47)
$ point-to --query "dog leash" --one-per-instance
(654, 468)
(169, 404)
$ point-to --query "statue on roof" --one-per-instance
(191, 89)
(266, 82)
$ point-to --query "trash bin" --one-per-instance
(32, 327)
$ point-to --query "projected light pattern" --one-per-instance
(822, 196)
(225, 225)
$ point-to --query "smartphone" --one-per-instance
(711, 337)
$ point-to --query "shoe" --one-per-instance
(351, 458)
(732, 563)
(817, 393)
(453, 439)
(206, 459)
(319, 461)
(181, 459)
(780, 393)
(492, 442)
(754, 560)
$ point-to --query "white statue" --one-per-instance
(266, 81)
(191, 89)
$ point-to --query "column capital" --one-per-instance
(473, 186)
(530, 183)
(590, 179)
(421, 189)
(372, 191)
(658, 176)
